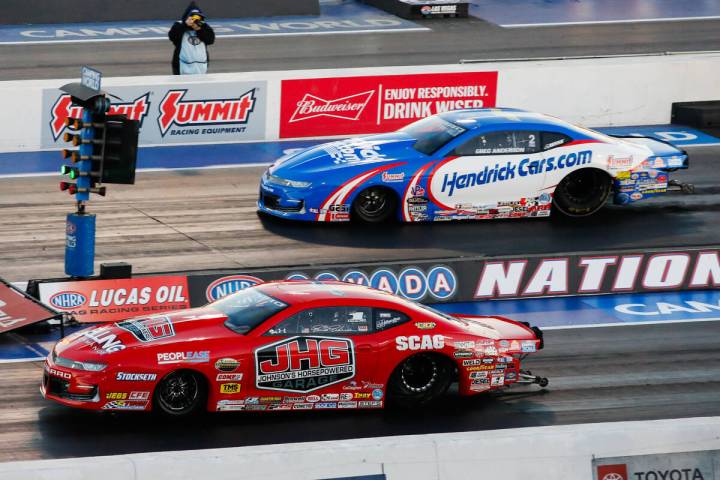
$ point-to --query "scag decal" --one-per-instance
(149, 329)
(418, 342)
(304, 364)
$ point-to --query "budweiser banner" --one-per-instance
(178, 113)
(111, 300)
(321, 107)
(18, 310)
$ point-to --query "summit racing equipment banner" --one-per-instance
(111, 300)
(18, 310)
(322, 107)
(475, 279)
(173, 113)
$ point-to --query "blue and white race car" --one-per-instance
(468, 164)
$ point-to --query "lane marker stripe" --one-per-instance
(629, 324)
(606, 22)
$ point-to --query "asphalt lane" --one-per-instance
(596, 375)
(187, 220)
(448, 42)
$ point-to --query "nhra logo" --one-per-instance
(67, 300)
(345, 108)
(63, 109)
(225, 286)
(304, 364)
(175, 111)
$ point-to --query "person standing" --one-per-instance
(191, 35)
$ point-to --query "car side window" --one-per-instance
(554, 139)
(326, 320)
(385, 318)
(500, 143)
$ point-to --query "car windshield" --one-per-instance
(247, 309)
(432, 133)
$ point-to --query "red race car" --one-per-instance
(294, 345)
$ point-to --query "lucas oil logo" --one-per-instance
(175, 111)
(63, 108)
(304, 364)
(225, 286)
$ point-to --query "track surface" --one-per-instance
(450, 41)
(205, 219)
(596, 375)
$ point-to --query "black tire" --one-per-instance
(180, 393)
(582, 193)
(419, 380)
(374, 205)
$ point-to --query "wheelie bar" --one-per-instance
(680, 187)
(529, 378)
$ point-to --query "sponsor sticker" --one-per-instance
(183, 357)
(135, 377)
(420, 342)
(227, 365)
(229, 377)
(229, 388)
(304, 364)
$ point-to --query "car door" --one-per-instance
(314, 352)
(489, 168)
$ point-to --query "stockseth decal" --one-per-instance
(136, 377)
(304, 364)
(149, 329)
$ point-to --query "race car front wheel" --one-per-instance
(374, 205)
(582, 193)
(419, 380)
(180, 393)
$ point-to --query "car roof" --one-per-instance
(511, 118)
(297, 291)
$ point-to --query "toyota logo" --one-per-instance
(613, 476)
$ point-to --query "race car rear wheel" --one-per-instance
(180, 393)
(419, 380)
(374, 205)
(582, 193)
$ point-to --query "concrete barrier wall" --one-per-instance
(562, 452)
(592, 92)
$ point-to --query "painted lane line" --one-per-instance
(628, 324)
(609, 22)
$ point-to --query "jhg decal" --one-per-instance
(304, 364)
(149, 329)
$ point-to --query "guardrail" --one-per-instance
(562, 452)
(269, 106)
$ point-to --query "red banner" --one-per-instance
(321, 107)
(112, 300)
(16, 310)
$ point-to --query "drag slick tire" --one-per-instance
(180, 393)
(419, 380)
(582, 193)
(374, 205)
